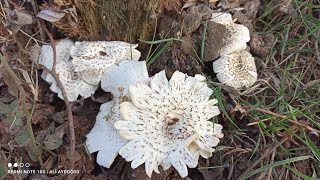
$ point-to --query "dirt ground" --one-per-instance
(27, 100)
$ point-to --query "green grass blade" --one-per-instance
(203, 40)
(275, 164)
(298, 173)
(218, 95)
(159, 53)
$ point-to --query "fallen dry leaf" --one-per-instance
(17, 18)
(10, 82)
(51, 16)
(213, 2)
(189, 4)
(229, 4)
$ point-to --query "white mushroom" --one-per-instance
(164, 119)
(93, 58)
(71, 81)
(63, 47)
(237, 69)
(237, 35)
(123, 75)
(103, 137)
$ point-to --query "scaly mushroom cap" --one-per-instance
(63, 47)
(93, 58)
(164, 118)
(71, 81)
(237, 69)
(103, 137)
(237, 35)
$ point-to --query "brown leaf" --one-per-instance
(171, 5)
(10, 82)
(42, 112)
(229, 4)
(213, 2)
(189, 4)
(51, 16)
(61, 2)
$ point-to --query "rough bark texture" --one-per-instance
(122, 20)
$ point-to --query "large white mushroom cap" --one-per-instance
(237, 69)
(164, 119)
(103, 137)
(237, 35)
(72, 81)
(93, 58)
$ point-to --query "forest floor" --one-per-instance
(272, 129)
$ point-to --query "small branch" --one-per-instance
(67, 103)
(36, 10)
(283, 117)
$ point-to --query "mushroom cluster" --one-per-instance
(104, 138)
(72, 81)
(155, 121)
(79, 65)
(167, 123)
(150, 120)
(236, 66)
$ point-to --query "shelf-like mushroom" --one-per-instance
(93, 58)
(117, 80)
(72, 81)
(237, 35)
(237, 69)
(164, 119)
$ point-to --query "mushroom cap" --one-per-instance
(93, 58)
(164, 118)
(103, 137)
(237, 69)
(63, 47)
(71, 81)
(237, 35)
(123, 75)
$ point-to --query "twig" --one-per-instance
(283, 117)
(67, 103)
(36, 10)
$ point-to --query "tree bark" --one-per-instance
(121, 20)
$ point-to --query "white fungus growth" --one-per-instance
(167, 123)
(63, 47)
(237, 35)
(103, 137)
(237, 69)
(72, 81)
(93, 58)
